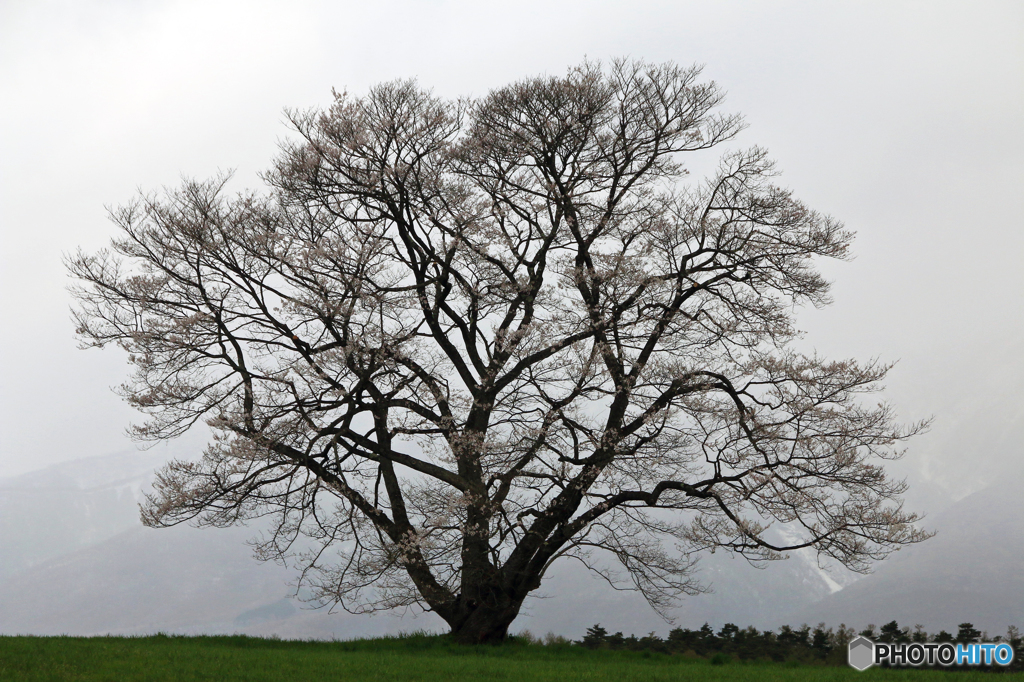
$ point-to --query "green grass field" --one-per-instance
(226, 659)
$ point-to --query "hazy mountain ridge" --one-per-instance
(177, 580)
(185, 580)
(64, 507)
(96, 570)
(972, 570)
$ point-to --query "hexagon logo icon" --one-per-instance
(862, 653)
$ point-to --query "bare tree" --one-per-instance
(458, 341)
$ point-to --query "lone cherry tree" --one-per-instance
(456, 341)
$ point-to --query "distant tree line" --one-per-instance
(804, 644)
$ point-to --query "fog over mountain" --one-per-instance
(53, 511)
(972, 570)
(77, 561)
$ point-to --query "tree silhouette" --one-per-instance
(458, 341)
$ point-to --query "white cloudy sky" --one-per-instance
(905, 119)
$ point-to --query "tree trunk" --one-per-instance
(485, 624)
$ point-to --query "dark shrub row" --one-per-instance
(804, 644)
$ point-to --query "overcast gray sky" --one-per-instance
(904, 119)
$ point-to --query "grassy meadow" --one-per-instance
(427, 658)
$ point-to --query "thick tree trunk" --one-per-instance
(485, 624)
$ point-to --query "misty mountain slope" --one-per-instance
(141, 580)
(68, 506)
(570, 599)
(972, 570)
(186, 580)
(88, 567)
(174, 580)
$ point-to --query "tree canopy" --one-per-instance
(456, 341)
